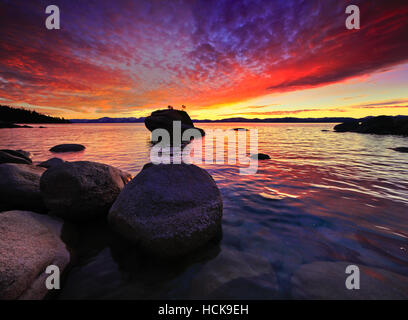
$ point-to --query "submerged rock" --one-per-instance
(29, 243)
(20, 187)
(378, 125)
(169, 209)
(68, 148)
(51, 163)
(260, 156)
(163, 119)
(81, 190)
(326, 280)
(15, 156)
(220, 276)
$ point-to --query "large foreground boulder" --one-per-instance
(163, 119)
(68, 147)
(326, 280)
(29, 243)
(20, 187)
(14, 156)
(379, 125)
(81, 190)
(169, 209)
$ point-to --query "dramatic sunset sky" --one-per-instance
(221, 59)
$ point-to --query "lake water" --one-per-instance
(323, 196)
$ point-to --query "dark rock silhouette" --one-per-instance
(7, 125)
(378, 125)
(400, 149)
(347, 126)
(51, 163)
(68, 147)
(81, 190)
(168, 209)
(14, 156)
(260, 156)
(20, 187)
(163, 119)
(29, 243)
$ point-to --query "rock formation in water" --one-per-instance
(68, 147)
(400, 149)
(163, 119)
(260, 156)
(379, 125)
(168, 209)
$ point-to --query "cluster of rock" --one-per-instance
(168, 210)
(378, 125)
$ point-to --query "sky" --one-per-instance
(220, 58)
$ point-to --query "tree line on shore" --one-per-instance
(22, 115)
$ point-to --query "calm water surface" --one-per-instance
(323, 196)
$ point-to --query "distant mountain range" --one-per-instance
(21, 115)
(239, 119)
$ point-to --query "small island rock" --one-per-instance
(72, 147)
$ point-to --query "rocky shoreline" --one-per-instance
(167, 211)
